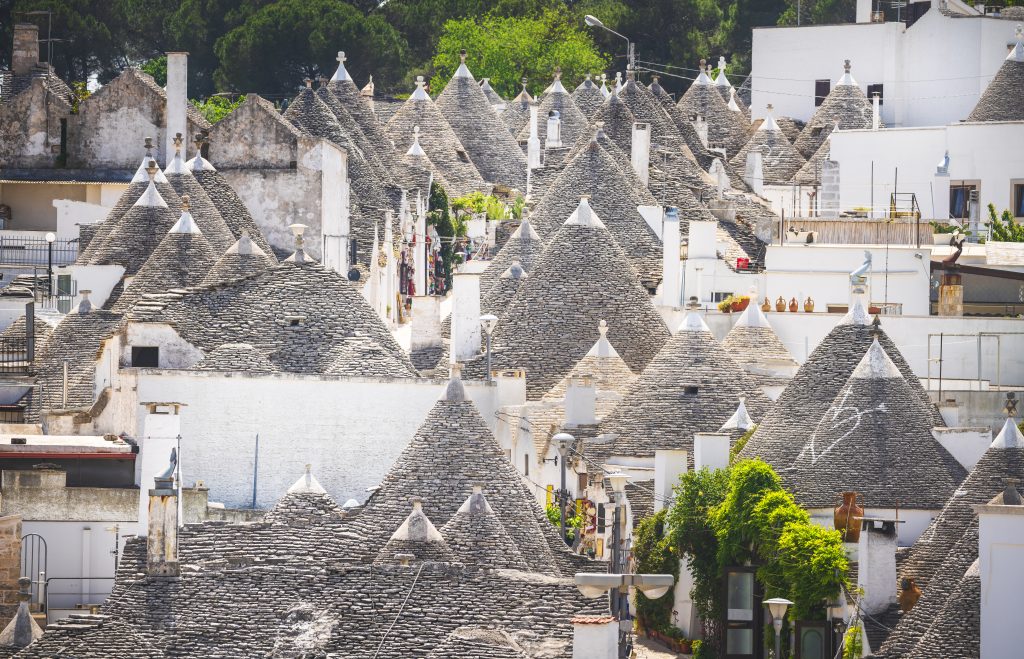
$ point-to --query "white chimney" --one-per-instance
(875, 109)
(580, 401)
(533, 143)
(1000, 552)
(466, 331)
(595, 637)
(876, 573)
(753, 175)
(641, 151)
(177, 100)
(940, 184)
(717, 170)
(162, 523)
(511, 387)
(161, 428)
(554, 135)
(711, 450)
(669, 465)
(670, 258)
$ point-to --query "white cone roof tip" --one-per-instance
(702, 77)
(342, 72)
(476, 503)
(200, 164)
(307, 484)
(417, 527)
(416, 150)
(420, 94)
(1009, 437)
(245, 245)
(527, 228)
(693, 323)
(584, 215)
(151, 197)
(769, 122)
(1016, 53)
(847, 77)
(876, 365)
(603, 348)
(141, 176)
(752, 316)
(740, 419)
(858, 315)
(463, 72)
(720, 79)
(185, 224)
(604, 86)
(177, 165)
(485, 85)
(556, 85)
(732, 100)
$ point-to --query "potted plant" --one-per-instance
(740, 303)
(725, 306)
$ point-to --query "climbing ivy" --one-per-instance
(655, 553)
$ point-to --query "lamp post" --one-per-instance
(51, 237)
(777, 607)
(564, 441)
(488, 321)
(594, 21)
(596, 584)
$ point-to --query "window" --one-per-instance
(690, 390)
(876, 89)
(720, 295)
(821, 90)
(960, 198)
(145, 357)
(600, 518)
(1018, 200)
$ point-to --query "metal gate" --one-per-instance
(33, 565)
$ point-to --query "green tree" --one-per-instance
(281, 43)
(215, 108)
(157, 67)
(655, 553)
(819, 12)
(508, 49)
(1003, 228)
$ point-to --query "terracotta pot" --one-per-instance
(766, 306)
(808, 304)
(780, 304)
(740, 305)
(848, 517)
(874, 311)
(794, 305)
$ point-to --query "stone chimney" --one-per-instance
(669, 465)
(554, 135)
(26, 48)
(711, 450)
(161, 428)
(466, 331)
(533, 143)
(162, 524)
(581, 401)
(595, 637)
(640, 155)
(177, 100)
(671, 260)
(1000, 552)
(876, 574)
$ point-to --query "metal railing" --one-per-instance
(27, 251)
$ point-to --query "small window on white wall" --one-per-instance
(1017, 197)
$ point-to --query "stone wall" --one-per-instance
(30, 127)
(10, 566)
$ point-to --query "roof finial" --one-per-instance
(846, 65)
(341, 59)
(703, 63)
(178, 141)
(152, 169)
(602, 328)
(1011, 405)
(149, 146)
(308, 81)
(199, 139)
(322, 79)
(186, 203)
(770, 108)
(462, 56)
(655, 78)
(589, 75)
(415, 150)
(558, 73)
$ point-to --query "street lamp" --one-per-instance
(777, 607)
(595, 584)
(488, 321)
(51, 237)
(594, 21)
(564, 441)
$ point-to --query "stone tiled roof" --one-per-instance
(299, 314)
(1003, 99)
(241, 260)
(373, 359)
(609, 372)
(353, 131)
(588, 98)
(788, 426)
(140, 229)
(442, 145)
(516, 114)
(202, 208)
(232, 208)
(753, 343)
(875, 439)
(130, 195)
(91, 637)
(617, 122)
(691, 386)
(725, 128)
(75, 340)
(810, 173)
(956, 631)
(493, 150)
(845, 106)
(348, 94)
(451, 453)
(594, 173)
(574, 122)
(416, 537)
(790, 127)
(182, 259)
(479, 643)
(524, 247)
(553, 320)
(493, 97)
(235, 357)
(780, 161)
(476, 536)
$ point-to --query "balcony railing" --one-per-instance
(29, 251)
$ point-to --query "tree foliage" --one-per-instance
(1002, 228)
(655, 553)
(509, 49)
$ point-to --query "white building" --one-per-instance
(929, 67)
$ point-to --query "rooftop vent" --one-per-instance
(690, 390)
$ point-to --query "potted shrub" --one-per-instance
(725, 306)
(740, 303)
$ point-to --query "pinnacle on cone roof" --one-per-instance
(341, 73)
(141, 175)
(721, 80)
(307, 484)
(151, 197)
(740, 420)
(847, 77)
(185, 224)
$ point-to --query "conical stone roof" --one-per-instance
(348, 94)
(617, 122)
(139, 231)
(351, 128)
(243, 259)
(788, 426)
(516, 114)
(524, 247)
(492, 96)
(608, 371)
(1003, 99)
(810, 173)
(495, 153)
(753, 343)
(691, 386)
(588, 98)
(235, 357)
(182, 259)
(305, 502)
(440, 142)
(557, 98)
(477, 537)
(875, 439)
(229, 205)
(780, 161)
(725, 127)
(845, 107)
(594, 174)
(417, 539)
(451, 453)
(552, 322)
(201, 207)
